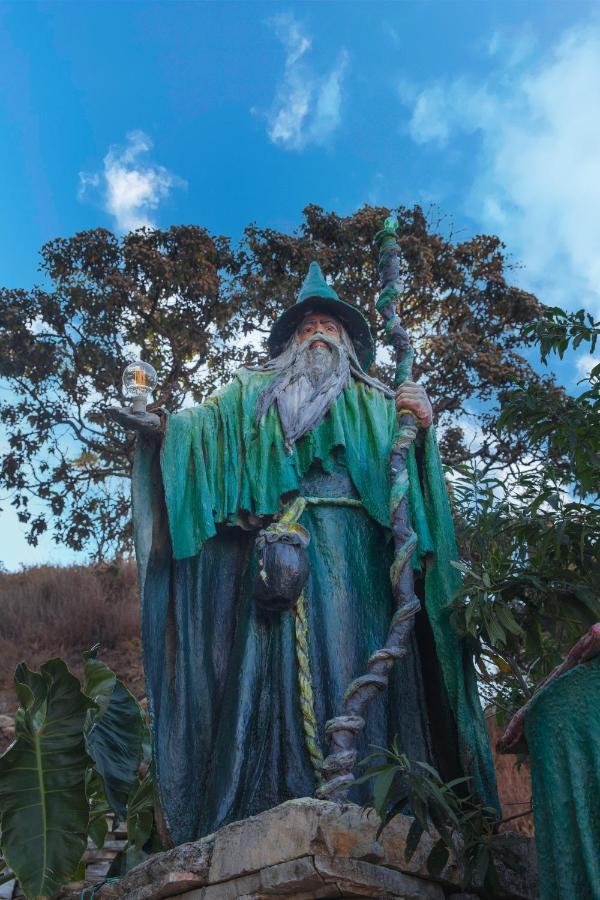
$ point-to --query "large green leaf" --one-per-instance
(142, 839)
(99, 807)
(43, 806)
(114, 732)
(140, 818)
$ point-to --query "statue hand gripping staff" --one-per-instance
(342, 730)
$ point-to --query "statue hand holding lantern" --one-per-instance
(139, 381)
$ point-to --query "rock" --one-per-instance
(516, 863)
(173, 872)
(351, 832)
(316, 877)
(364, 879)
(311, 849)
(246, 887)
(277, 835)
(297, 876)
(308, 826)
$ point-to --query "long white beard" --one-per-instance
(306, 386)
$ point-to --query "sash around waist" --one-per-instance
(332, 501)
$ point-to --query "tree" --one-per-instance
(529, 537)
(192, 304)
(62, 354)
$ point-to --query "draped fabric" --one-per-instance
(217, 462)
(221, 676)
(562, 727)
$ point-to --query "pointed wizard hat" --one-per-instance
(318, 296)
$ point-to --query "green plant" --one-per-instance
(43, 803)
(79, 754)
(528, 535)
(464, 828)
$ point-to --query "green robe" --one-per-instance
(222, 676)
(562, 727)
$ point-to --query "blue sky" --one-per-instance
(129, 113)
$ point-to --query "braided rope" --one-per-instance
(307, 697)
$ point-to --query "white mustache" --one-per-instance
(323, 338)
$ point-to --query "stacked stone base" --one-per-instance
(310, 849)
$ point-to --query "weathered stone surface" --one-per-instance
(166, 874)
(320, 877)
(227, 891)
(248, 887)
(516, 864)
(359, 878)
(349, 831)
(325, 891)
(297, 875)
(277, 835)
(311, 849)
(307, 826)
(173, 884)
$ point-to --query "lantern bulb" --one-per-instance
(139, 379)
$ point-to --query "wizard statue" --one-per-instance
(255, 619)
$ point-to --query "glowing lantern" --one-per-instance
(139, 380)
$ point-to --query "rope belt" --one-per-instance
(332, 501)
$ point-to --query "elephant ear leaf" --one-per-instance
(114, 732)
(43, 805)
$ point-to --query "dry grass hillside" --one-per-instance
(48, 611)
(51, 611)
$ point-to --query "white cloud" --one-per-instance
(307, 105)
(585, 362)
(443, 109)
(513, 45)
(536, 165)
(130, 188)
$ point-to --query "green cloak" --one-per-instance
(221, 675)
(562, 727)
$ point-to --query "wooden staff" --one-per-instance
(342, 731)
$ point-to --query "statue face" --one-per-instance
(319, 322)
